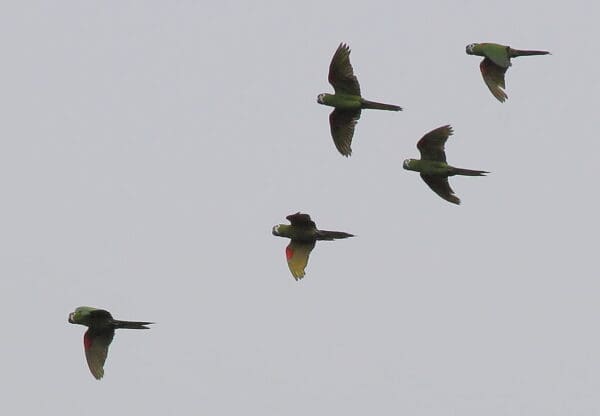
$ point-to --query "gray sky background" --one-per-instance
(148, 148)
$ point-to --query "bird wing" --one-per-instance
(498, 54)
(431, 146)
(493, 75)
(341, 74)
(300, 220)
(297, 253)
(440, 185)
(341, 124)
(96, 349)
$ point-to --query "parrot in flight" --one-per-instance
(100, 333)
(347, 100)
(496, 60)
(304, 234)
(433, 167)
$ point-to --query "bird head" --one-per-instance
(81, 315)
(321, 98)
(470, 48)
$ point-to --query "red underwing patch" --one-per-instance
(483, 67)
(87, 341)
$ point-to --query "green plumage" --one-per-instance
(100, 333)
(304, 234)
(347, 100)
(433, 167)
(496, 60)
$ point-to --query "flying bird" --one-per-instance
(433, 167)
(496, 60)
(100, 333)
(347, 100)
(304, 234)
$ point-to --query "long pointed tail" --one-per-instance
(332, 235)
(468, 172)
(518, 52)
(131, 324)
(380, 106)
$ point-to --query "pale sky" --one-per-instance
(148, 148)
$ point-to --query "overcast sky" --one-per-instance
(147, 148)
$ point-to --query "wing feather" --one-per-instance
(297, 253)
(493, 76)
(300, 220)
(342, 123)
(440, 185)
(431, 145)
(96, 350)
(341, 74)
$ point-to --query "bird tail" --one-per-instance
(467, 172)
(380, 106)
(332, 235)
(131, 324)
(518, 52)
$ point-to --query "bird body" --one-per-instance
(500, 54)
(433, 167)
(100, 333)
(304, 234)
(307, 234)
(352, 102)
(341, 101)
(496, 60)
(347, 100)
